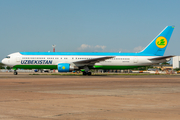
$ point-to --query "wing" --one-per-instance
(161, 58)
(93, 60)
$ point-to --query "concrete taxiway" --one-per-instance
(121, 97)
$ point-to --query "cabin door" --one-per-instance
(135, 60)
(18, 59)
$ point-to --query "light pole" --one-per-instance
(53, 51)
(53, 47)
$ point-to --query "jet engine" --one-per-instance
(66, 67)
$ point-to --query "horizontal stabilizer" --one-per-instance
(161, 58)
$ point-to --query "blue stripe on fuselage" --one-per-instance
(85, 53)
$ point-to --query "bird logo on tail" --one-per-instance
(161, 42)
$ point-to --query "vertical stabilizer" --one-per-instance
(160, 42)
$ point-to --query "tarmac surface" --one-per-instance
(101, 97)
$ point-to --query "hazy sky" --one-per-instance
(86, 25)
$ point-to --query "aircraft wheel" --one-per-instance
(89, 73)
(84, 73)
(15, 73)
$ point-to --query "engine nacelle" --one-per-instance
(66, 67)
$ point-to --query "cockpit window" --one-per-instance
(7, 56)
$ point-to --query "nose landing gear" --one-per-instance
(15, 72)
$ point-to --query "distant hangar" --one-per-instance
(176, 62)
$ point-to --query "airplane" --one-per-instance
(84, 61)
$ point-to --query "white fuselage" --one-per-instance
(19, 59)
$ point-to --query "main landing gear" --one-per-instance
(15, 72)
(86, 69)
(86, 73)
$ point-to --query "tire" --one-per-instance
(84, 73)
(15, 73)
(89, 73)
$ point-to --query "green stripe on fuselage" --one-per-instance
(115, 67)
(35, 66)
(55, 67)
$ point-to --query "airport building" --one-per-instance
(176, 62)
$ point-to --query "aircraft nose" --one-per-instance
(3, 61)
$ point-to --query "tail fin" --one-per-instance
(159, 43)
